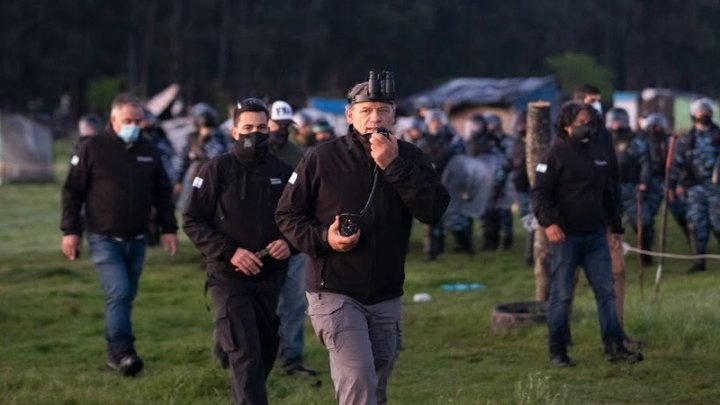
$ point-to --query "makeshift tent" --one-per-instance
(461, 98)
(25, 150)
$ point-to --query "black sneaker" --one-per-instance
(127, 365)
(300, 370)
(429, 258)
(625, 355)
(562, 361)
(697, 267)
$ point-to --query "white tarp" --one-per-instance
(25, 150)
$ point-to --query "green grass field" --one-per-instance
(52, 349)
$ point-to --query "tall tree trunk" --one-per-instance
(224, 38)
(148, 41)
(132, 51)
(538, 141)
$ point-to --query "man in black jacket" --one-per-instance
(355, 282)
(229, 218)
(572, 199)
(118, 175)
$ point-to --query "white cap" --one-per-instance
(281, 111)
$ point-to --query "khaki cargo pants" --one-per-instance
(363, 342)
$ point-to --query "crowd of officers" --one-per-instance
(692, 195)
(692, 191)
(224, 182)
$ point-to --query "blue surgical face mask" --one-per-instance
(129, 133)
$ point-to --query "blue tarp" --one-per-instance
(329, 105)
(516, 92)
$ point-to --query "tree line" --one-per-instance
(219, 50)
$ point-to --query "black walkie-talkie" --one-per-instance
(350, 223)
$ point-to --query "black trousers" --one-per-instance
(247, 330)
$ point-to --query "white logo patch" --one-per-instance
(197, 182)
(541, 168)
(144, 159)
(275, 181)
(293, 178)
(601, 163)
(75, 160)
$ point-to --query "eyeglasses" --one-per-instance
(251, 102)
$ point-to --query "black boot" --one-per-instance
(529, 248)
(699, 264)
(491, 231)
(121, 357)
(463, 242)
(646, 244)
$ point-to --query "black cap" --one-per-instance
(251, 104)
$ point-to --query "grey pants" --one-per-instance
(363, 342)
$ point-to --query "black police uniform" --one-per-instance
(231, 206)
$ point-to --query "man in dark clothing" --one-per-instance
(355, 280)
(498, 223)
(590, 95)
(202, 145)
(695, 160)
(440, 144)
(229, 218)
(292, 303)
(280, 125)
(118, 176)
(521, 181)
(633, 155)
(656, 130)
(572, 200)
(153, 132)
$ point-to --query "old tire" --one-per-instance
(513, 314)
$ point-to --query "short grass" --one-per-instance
(52, 350)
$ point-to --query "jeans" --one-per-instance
(592, 253)
(118, 264)
(291, 311)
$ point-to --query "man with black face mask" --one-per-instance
(292, 304)
(656, 130)
(590, 95)
(280, 126)
(692, 178)
(229, 218)
(633, 154)
(572, 199)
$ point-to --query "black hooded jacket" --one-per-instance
(573, 188)
(336, 177)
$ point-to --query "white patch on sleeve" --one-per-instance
(293, 178)
(541, 168)
(197, 182)
(275, 181)
(75, 160)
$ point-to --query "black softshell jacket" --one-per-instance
(336, 177)
(573, 188)
(119, 185)
(232, 206)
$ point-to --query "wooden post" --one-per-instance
(539, 133)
